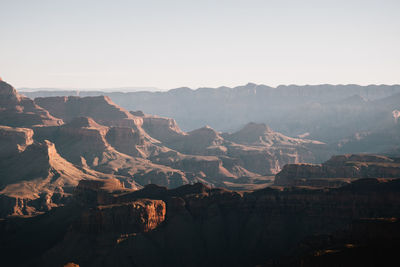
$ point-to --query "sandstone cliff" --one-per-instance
(33, 176)
(19, 111)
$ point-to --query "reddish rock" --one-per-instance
(100, 108)
(14, 140)
(33, 176)
(19, 111)
(164, 129)
(138, 216)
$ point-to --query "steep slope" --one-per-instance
(260, 134)
(123, 150)
(84, 142)
(133, 140)
(203, 141)
(211, 226)
(156, 138)
(33, 176)
(255, 148)
(383, 139)
(19, 111)
(14, 140)
(164, 129)
(339, 170)
(100, 108)
(321, 110)
(135, 145)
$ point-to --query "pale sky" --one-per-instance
(168, 44)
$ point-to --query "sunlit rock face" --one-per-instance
(19, 111)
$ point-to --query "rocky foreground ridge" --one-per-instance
(196, 225)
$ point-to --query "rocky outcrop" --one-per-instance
(85, 143)
(138, 216)
(19, 111)
(100, 108)
(383, 139)
(326, 112)
(217, 227)
(260, 134)
(133, 142)
(14, 140)
(342, 166)
(97, 192)
(33, 176)
(203, 141)
(37, 179)
(264, 152)
(164, 129)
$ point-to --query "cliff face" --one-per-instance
(164, 129)
(85, 143)
(383, 139)
(201, 154)
(133, 142)
(19, 111)
(34, 177)
(105, 214)
(322, 112)
(14, 140)
(216, 227)
(258, 149)
(260, 134)
(343, 166)
(100, 108)
(138, 216)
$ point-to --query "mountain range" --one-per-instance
(280, 178)
(329, 113)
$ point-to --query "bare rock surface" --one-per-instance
(19, 111)
(349, 166)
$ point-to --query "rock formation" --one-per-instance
(84, 142)
(338, 170)
(100, 108)
(201, 152)
(102, 186)
(33, 176)
(325, 112)
(19, 111)
(208, 226)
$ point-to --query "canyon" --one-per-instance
(93, 138)
(110, 179)
(328, 113)
(196, 225)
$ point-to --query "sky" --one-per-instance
(169, 44)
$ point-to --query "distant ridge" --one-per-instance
(155, 89)
(328, 113)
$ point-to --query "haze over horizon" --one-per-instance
(101, 44)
